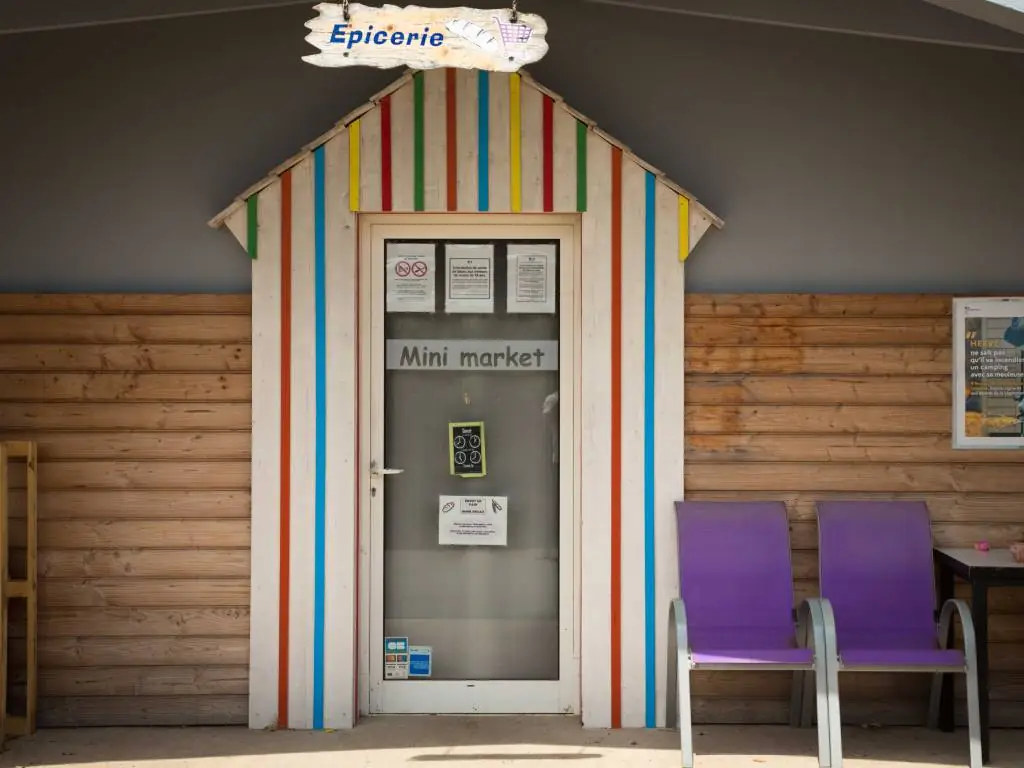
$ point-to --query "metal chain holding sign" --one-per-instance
(345, 13)
(513, 18)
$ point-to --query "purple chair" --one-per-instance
(877, 577)
(736, 610)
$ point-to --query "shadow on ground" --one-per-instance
(383, 742)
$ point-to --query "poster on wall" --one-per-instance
(353, 34)
(531, 278)
(409, 281)
(472, 521)
(469, 278)
(988, 373)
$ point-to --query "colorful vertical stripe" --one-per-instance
(515, 139)
(483, 184)
(684, 227)
(581, 166)
(386, 197)
(320, 406)
(650, 607)
(353, 165)
(451, 114)
(286, 443)
(418, 158)
(616, 437)
(252, 226)
(549, 153)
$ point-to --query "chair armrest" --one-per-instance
(966, 622)
(678, 632)
(816, 627)
(678, 672)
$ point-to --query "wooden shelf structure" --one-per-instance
(19, 588)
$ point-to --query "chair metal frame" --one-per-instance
(814, 630)
(969, 670)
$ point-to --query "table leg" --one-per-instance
(946, 721)
(979, 612)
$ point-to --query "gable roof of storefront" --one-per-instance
(465, 141)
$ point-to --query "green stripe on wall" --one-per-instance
(418, 168)
(581, 166)
(252, 229)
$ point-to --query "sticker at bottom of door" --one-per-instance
(396, 658)
(420, 658)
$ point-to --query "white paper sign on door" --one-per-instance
(469, 278)
(410, 277)
(531, 278)
(472, 521)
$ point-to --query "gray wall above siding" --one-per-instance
(839, 163)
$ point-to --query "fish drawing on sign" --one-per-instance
(473, 33)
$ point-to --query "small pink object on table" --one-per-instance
(981, 546)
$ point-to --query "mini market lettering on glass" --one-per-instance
(471, 355)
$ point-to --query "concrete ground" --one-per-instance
(389, 742)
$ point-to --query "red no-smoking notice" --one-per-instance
(409, 282)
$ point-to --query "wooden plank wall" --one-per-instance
(804, 397)
(140, 406)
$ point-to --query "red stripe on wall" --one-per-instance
(286, 446)
(385, 153)
(549, 154)
(451, 117)
(616, 474)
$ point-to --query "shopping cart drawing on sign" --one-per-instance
(514, 36)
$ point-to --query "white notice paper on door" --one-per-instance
(472, 521)
(531, 278)
(409, 284)
(469, 279)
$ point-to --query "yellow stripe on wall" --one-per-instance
(353, 165)
(515, 143)
(684, 228)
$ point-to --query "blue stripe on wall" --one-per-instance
(483, 121)
(320, 498)
(651, 706)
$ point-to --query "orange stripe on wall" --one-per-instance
(616, 500)
(451, 119)
(286, 443)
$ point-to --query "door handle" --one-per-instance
(376, 471)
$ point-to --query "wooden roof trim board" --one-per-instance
(308, 149)
(592, 124)
(223, 217)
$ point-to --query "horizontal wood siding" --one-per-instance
(141, 408)
(805, 397)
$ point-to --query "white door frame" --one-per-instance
(455, 697)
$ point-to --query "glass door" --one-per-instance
(471, 505)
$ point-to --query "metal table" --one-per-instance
(981, 570)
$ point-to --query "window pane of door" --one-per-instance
(487, 612)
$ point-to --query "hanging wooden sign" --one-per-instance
(499, 40)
